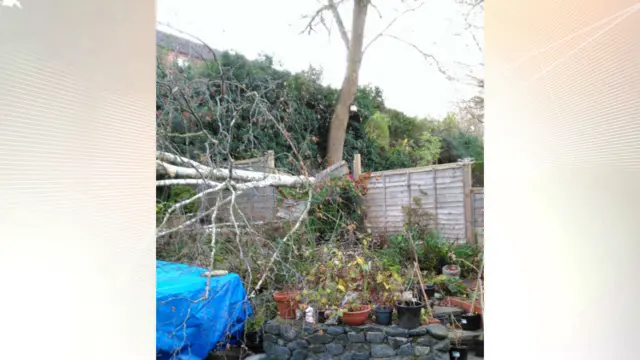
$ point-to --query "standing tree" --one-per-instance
(354, 43)
(356, 48)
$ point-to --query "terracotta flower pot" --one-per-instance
(356, 318)
(286, 303)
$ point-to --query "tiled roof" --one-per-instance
(184, 46)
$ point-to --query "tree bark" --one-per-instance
(340, 118)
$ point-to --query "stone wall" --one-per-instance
(298, 341)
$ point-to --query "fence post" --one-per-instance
(435, 197)
(468, 217)
(271, 165)
(357, 166)
(384, 209)
(271, 161)
(409, 188)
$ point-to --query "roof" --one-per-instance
(184, 46)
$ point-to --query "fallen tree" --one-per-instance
(215, 109)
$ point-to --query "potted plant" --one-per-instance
(287, 302)
(458, 350)
(472, 321)
(354, 313)
(386, 284)
(322, 300)
(429, 289)
(383, 314)
(384, 310)
(253, 333)
(409, 313)
(330, 303)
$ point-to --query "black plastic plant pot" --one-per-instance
(253, 341)
(321, 317)
(471, 322)
(409, 314)
(429, 289)
(458, 353)
(383, 315)
(479, 347)
(442, 262)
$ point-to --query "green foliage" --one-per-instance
(403, 127)
(428, 149)
(468, 257)
(377, 128)
(457, 144)
(429, 245)
(396, 254)
(451, 286)
(398, 157)
(297, 102)
(302, 108)
(169, 196)
(264, 309)
(341, 272)
(337, 209)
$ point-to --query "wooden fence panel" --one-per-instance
(256, 205)
(439, 189)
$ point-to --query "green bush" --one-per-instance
(337, 209)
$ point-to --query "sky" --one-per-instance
(410, 83)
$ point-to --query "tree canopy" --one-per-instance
(386, 138)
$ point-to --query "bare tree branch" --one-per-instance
(386, 28)
(284, 241)
(426, 56)
(318, 17)
(341, 28)
(375, 8)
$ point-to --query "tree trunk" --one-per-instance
(340, 118)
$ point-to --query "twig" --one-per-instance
(379, 35)
(341, 28)
(475, 291)
(416, 268)
(318, 15)
(424, 293)
(425, 55)
(212, 259)
(284, 241)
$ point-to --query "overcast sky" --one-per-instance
(410, 83)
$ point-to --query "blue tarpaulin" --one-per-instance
(188, 325)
